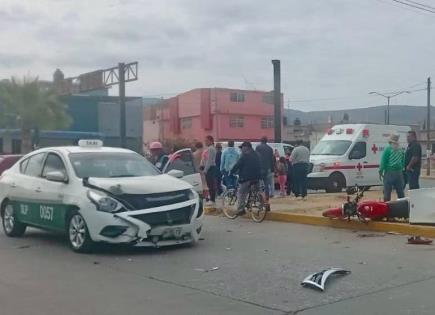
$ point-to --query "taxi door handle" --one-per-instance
(13, 185)
(365, 162)
(38, 189)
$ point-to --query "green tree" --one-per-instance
(28, 106)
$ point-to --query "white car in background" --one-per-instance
(99, 194)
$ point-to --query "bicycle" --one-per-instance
(255, 203)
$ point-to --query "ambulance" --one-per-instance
(350, 154)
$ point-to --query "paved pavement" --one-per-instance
(260, 269)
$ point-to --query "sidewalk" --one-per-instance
(310, 212)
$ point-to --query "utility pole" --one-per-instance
(277, 98)
(388, 97)
(122, 111)
(429, 145)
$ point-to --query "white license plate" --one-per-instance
(172, 232)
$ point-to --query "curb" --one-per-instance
(402, 228)
(427, 177)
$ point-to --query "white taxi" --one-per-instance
(99, 194)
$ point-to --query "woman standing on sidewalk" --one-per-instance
(209, 168)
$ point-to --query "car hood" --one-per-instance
(140, 185)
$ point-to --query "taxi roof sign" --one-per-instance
(94, 143)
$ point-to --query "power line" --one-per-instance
(421, 4)
(414, 6)
(419, 12)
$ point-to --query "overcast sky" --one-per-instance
(332, 51)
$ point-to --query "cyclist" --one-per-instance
(249, 170)
(230, 156)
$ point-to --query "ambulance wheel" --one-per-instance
(11, 226)
(336, 183)
(78, 234)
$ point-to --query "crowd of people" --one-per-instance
(219, 168)
(231, 167)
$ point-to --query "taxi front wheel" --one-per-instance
(11, 226)
(78, 234)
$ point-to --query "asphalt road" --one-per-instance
(260, 267)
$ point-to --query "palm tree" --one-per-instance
(28, 106)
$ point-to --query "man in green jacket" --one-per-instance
(391, 169)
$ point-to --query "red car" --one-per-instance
(6, 161)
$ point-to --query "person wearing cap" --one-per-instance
(158, 156)
(391, 168)
(248, 167)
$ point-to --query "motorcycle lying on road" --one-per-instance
(368, 210)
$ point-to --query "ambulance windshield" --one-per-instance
(331, 147)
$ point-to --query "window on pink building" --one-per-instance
(237, 97)
(186, 123)
(266, 122)
(268, 98)
(237, 121)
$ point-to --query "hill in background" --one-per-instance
(399, 115)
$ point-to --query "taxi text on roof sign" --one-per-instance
(90, 143)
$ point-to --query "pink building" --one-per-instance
(223, 113)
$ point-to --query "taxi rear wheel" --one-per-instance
(11, 226)
(78, 234)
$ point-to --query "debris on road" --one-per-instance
(417, 240)
(393, 233)
(96, 262)
(228, 248)
(23, 247)
(229, 231)
(370, 235)
(363, 263)
(207, 270)
(318, 280)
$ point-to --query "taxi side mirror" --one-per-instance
(56, 176)
(176, 173)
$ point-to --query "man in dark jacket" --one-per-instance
(267, 160)
(249, 171)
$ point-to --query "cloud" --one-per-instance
(329, 49)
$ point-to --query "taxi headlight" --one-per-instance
(104, 203)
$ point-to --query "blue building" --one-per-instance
(93, 116)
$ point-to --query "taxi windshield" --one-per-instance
(111, 165)
(331, 147)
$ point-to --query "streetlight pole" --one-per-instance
(428, 144)
(388, 97)
(388, 110)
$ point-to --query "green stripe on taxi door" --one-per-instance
(50, 216)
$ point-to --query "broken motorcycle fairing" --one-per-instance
(318, 280)
(368, 210)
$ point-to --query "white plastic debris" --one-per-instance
(318, 280)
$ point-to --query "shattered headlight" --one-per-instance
(103, 202)
(192, 194)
